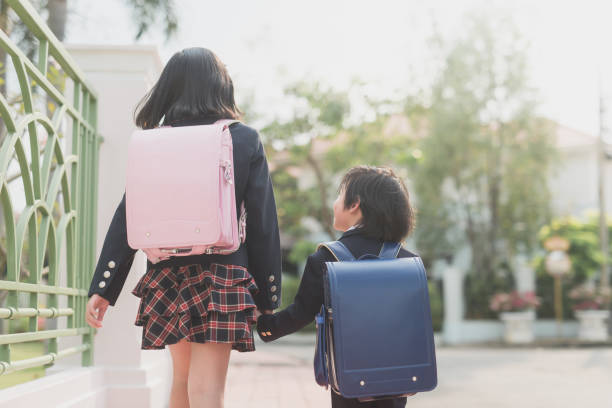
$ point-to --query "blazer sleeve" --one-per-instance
(262, 235)
(115, 259)
(305, 306)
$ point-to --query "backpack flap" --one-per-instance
(382, 332)
(172, 187)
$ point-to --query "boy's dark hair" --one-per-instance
(383, 200)
(193, 84)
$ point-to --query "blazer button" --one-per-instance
(111, 264)
(274, 297)
(102, 284)
(271, 278)
(273, 288)
(107, 274)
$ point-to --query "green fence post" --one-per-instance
(71, 175)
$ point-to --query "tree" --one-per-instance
(318, 143)
(146, 13)
(319, 119)
(483, 178)
(584, 252)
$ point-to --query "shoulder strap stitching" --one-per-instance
(329, 249)
(342, 249)
(399, 247)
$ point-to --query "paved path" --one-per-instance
(279, 375)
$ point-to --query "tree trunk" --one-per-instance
(58, 12)
(326, 214)
(494, 179)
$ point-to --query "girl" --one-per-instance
(200, 306)
(372, 207)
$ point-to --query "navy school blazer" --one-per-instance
(260, 252)
(309, 297)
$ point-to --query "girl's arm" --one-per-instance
(305, 306)
(262, 235)
(115, 259)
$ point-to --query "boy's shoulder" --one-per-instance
(322, 254)
(404, 253)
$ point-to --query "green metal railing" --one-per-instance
(60, 190)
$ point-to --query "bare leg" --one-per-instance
(181, 353)
(207, 374)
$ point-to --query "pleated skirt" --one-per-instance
(202, 305)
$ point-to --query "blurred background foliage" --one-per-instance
(584, 252)
(471, 147)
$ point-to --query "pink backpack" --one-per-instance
(180, 197)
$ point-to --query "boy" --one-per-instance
(373, 206)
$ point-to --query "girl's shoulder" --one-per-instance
(244, 130)
(245, 135)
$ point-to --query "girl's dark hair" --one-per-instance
(193, 84)
(383, 200)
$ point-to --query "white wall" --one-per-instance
(574, 182)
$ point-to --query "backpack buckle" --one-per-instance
(175, 250)
(227, 165)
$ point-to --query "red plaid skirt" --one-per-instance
(202, 306)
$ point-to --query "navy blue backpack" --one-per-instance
(374, 332)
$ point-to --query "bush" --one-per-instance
(301, 250)
(478, 291)
(290, 288)
(435, 304)
(584, 253)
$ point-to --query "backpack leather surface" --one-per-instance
(377, 327)
(180, 197)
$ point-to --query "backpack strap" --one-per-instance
(242, 222)
(226, 122)
(389, 250)
(338, 250)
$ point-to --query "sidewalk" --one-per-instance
(279, 375)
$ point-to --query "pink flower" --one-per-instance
(589, 298)
(514, 301)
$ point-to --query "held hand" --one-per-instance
(94, 312)
(267, 311)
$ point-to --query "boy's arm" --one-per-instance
(305, 306)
